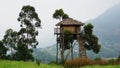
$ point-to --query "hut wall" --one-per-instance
(69, 28)
(72, 29)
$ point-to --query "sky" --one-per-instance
(81, 10)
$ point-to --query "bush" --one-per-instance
(112, 61)
(78, 62)
(38, 62)
(62, 62)
(97, 59)
(52, 63)
(100, 61)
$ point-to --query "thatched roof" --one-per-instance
(70, 21)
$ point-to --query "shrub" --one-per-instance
(97, 59)
(101, 62)
(117, 62)
(78, 62)
(38, 62)
(52, 63)
(62, 62)
(112, 61)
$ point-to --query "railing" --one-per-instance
(56, 30)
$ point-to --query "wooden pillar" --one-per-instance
(71, 51)
(62, 44)
(57, 50)
(82, 51)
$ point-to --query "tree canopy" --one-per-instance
(29, 21)
(68, 39)
(27, 34)
(3, 50)
(59, 14)
(10, 38)
(90, 40)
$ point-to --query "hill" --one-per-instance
(107, 28)
(44, 54)
(107, 25)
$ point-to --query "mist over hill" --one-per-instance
(106, 27)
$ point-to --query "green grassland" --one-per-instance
(21, 64)
(108, 66)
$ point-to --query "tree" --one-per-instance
(23, 53)
(29, 22)
(68, 40)
(59, 14)
(3, 50)
(65, 16)
(10, 40)
(90, 40)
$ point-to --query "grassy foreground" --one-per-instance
(21, 64)
(108, 66)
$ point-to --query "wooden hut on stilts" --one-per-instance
(74, 27)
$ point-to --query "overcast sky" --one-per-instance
(81, 10)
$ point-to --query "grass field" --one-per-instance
(108, 66)
(21, 64)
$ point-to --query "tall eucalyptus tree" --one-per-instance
(29, 23)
